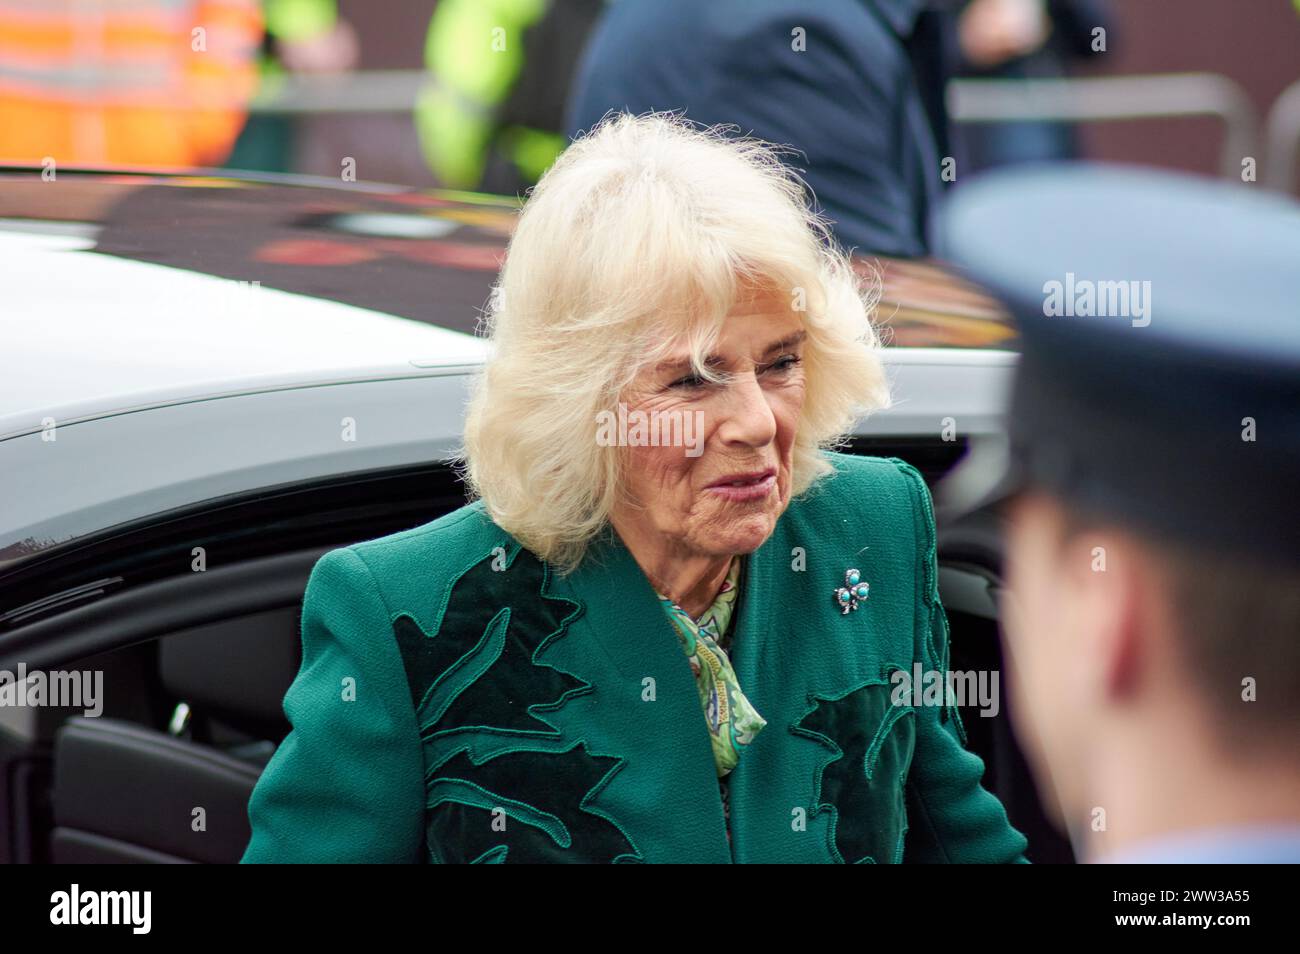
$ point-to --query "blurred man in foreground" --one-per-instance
(1152, 623)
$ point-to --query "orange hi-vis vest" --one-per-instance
(125, 82)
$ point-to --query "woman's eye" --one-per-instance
(784, 364)
(688, 382)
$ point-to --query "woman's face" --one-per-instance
(723, 493)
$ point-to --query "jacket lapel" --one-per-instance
(648, 710)
(765, 667)
(791, 648)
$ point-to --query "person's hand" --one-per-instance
(335, 51)
(994, 31)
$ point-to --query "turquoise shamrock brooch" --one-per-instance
(853, 590)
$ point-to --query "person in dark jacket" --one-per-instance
(855, 86)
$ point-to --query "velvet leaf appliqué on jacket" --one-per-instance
(481, 673)
(862, 784)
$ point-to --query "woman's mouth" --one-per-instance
(744, 488)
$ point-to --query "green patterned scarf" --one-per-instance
(731, 720)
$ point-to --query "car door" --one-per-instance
(156, 764)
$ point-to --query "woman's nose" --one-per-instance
(748, 417)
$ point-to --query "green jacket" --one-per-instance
(459, 701)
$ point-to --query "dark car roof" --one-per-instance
(425, 255)
(383, 248)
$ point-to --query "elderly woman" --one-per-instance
(667, 627)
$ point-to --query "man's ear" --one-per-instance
(1115, 579)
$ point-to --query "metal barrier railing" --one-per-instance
(365, 91)
(1110, 98)
(1283, 140)
(1079, 99)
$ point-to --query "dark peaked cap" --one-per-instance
(1141, 416)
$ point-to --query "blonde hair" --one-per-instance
(643, 234)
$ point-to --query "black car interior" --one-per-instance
(195, 664)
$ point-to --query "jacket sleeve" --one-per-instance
(952, 817)
(347, 783)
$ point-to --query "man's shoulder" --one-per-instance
(844, 29)
(1277, 843)
(751, 30)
